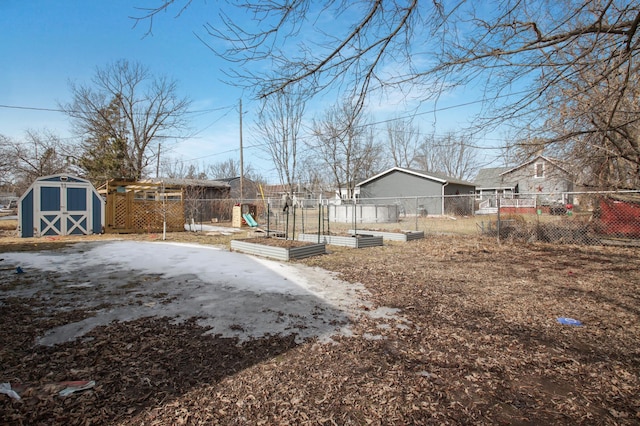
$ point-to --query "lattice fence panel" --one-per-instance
(120, 211)
(148, 215)
(175, 216)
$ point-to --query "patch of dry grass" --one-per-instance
(8, 225)
(476, 340)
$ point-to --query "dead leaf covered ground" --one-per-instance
(478, 343)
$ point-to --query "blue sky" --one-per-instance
(45, 44)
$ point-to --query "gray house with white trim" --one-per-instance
(542, 179)
(418, 191)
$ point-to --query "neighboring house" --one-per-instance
(419, 192)
(250, 189)
(302, 196)
(143, 206)
(8, 200)
(201, 198)
(343, 194)
(490, 182)
(195, 188)
(541, 180)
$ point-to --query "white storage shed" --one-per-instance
(60, 205)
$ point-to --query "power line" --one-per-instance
(446, 108)
(221, 152)
(30, 108)
(229, 108)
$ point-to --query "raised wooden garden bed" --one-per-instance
(355, 241)
(277, 249)
(391, 236)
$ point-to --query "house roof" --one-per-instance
(533, 160)
(203, 183)
(492, 178)
(232, 179)
(228, 179)
(276, 188)
(281, 189)
(174, 182)
(438, 177)
(498, 177)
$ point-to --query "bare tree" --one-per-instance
(174, 168)
(41, 153)
(345, 147)
(129, 108)
(7, 162)
(518, 54)
(278, 125)
(510, 153)
(270, 32)
(313, 173)
(403, 139)
(598, 126)
(450, 154)
(230, 168)
(371, 158)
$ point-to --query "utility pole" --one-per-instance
(158, 163)
(241, 158)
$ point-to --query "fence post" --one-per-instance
(293, 236)
(328, 220)
(286, 230)
(268, 218)
(164, 214)
(498, 222)
(322, 216)
(353, 217)
(319, 219)
(416, 213)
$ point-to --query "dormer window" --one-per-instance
(539, 170)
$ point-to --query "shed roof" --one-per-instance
(62, 177)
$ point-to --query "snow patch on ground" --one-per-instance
(234, 294)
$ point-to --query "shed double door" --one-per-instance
(63, 209)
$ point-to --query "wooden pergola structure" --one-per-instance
(142, 206)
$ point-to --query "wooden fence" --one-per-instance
(124, 213)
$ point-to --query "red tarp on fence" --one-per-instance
(620, 217)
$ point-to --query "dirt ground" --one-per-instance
(480, 344)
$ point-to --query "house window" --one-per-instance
(539, 170)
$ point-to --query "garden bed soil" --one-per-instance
(391, 235)
(278, 249)
(345, 240)
(276, 242)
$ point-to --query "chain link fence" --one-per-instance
(562, 218)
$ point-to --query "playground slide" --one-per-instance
(249, 219)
